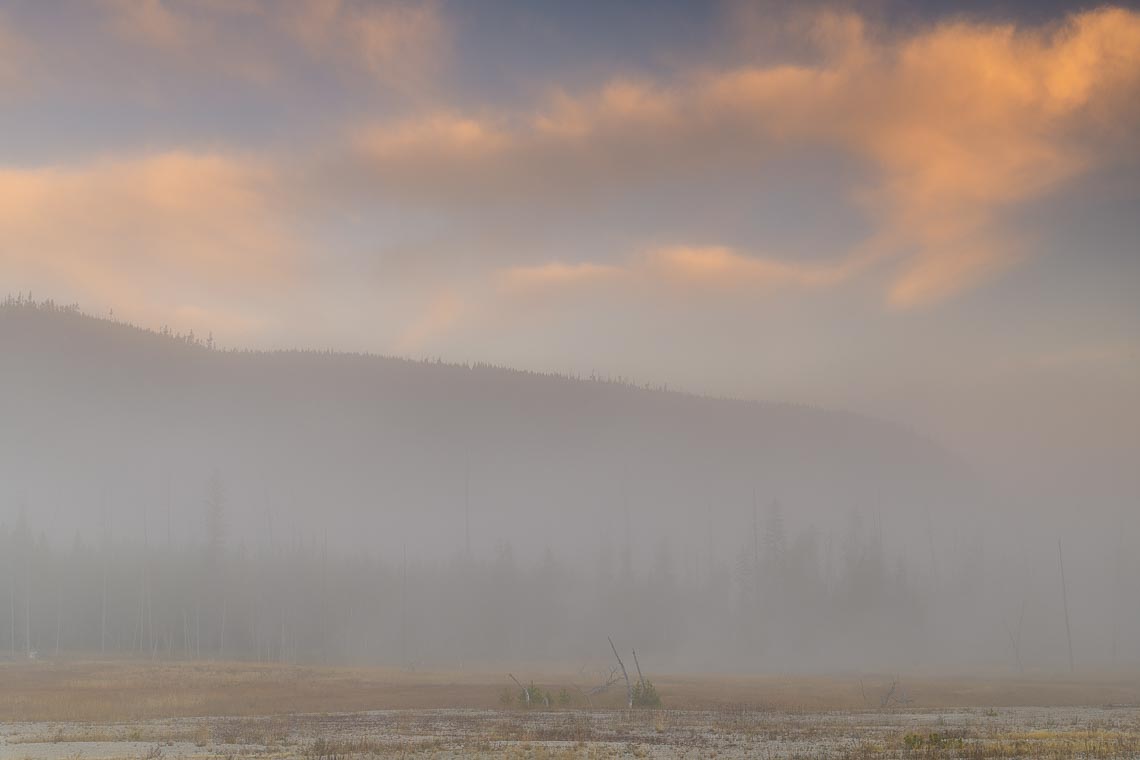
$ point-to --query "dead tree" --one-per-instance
(1015, 637)
(611, 679)
(890, 694)
(628, 687)
(1065, 602)
(525, 690)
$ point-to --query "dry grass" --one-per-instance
(808, 693)
(136, 691)
(1053, 733)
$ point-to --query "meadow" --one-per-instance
(149, 710)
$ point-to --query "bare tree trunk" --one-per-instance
(28, 602)
(222, 632)
(169, 534)
(1065, 602)
(1015, 640)
(404, 611)
(467, 503)
(526, 691)
(58, 616)
(755, 554)
(628, 687)
(103, 620)
(933, 554)
(12, 602)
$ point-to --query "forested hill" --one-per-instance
(111, 428)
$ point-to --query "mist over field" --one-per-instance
(163, 497)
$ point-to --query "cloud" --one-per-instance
(937, 274)
(541, 296)
(150, 236)
(400, 44)
(953, 125)
(723, 267)
(710, 267)
(13, 58)
(443, 138)
(442, 313)
(947, 128)
(1123, 354)
(175, 42)
(557, 275)
(149, 22)
(397, 43)
(622, 105)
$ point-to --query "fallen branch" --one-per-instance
(611, 679)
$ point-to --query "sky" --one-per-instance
(924, 212)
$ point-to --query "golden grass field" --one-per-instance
(136, 691)
(106, 710)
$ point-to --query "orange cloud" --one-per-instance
(960, 122)
(149, 235)
(558, 274)
(621, 104)
(955, 124)
(935, 275)
(723, 267)
(442, 136)
(688, 266)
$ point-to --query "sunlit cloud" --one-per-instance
(149, 235)
(442, 313)
(686, 265)
(558, 274)
(726, 268)
(939, 273)
(443, 138)
(624, 105)
(955, 124)
(943, 131)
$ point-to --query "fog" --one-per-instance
(163, 498)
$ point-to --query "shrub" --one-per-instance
(645, 694)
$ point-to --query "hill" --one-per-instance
(112, 427)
